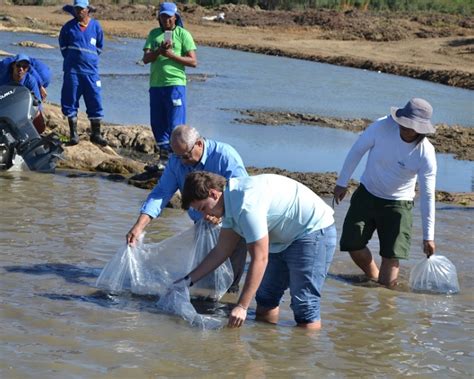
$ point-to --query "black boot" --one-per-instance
(73, 136)
(95, 134)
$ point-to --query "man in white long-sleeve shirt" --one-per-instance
(399, 155)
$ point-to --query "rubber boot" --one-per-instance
(95, 134)
(74, 137)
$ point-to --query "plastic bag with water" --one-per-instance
(435, 274)
(151, 270)
(176, 301)
(215, 284)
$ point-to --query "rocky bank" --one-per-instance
(132, 147)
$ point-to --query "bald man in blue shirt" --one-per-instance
(191, 152)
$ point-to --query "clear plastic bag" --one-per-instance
(215, 284)
(176, 301)
(115, 276)
(151, 270)
(435, 275)
(148, 269)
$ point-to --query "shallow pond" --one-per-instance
(57, 232)
(239, 80)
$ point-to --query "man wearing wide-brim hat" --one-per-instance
(399, 155)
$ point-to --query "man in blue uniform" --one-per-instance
(191, 152)
(30, 73)
(81, 41)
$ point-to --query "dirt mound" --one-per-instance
(129, 12)
(353, 24)
(349, 25)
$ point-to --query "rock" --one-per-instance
(132, 146)
(120, 165)
(34, 44)
(5, 54)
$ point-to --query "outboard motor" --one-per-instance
(18, 136)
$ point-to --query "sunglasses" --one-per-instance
(186, 155)
(23, 65)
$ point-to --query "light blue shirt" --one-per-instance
(275, 205)
(218, 158)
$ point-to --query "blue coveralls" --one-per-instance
(81, 49)
(38, 75)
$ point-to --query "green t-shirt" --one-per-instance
(164, 71)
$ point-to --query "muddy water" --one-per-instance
(58, 231)
(238, 80)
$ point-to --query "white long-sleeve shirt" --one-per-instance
(393, 167)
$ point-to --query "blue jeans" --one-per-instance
(302, 267)
(167, 111)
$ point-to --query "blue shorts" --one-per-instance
(167, 111)
(77, 85)
(302, 267)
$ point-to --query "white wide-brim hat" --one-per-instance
(416, 115)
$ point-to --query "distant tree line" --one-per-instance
(464, 7)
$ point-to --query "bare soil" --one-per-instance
(132, 146)
(434, 47)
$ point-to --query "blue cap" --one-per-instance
(22, 57)
(168, 8)
(81, 3)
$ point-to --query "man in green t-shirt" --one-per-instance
(169, 49)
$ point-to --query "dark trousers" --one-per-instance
(237, 260)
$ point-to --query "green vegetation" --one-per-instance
(463, 7)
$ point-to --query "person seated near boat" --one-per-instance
(192, 152)
(30, 73)
(290, 234)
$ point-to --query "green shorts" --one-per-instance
(392, 219)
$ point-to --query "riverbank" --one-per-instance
(133, 146)
(434, 47)
(449, 139)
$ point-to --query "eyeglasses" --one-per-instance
(186, 155)
(24, 65)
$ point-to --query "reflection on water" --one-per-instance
(58, 231)
(238, 80)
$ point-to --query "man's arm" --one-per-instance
(189, 59)
(63, 41)
(258, 251)
(99, 44)
(427, 182)
(162, 193)
(41, 71)
(155, 202)
(151, 55)
(226, 244)
(32, 84)
(365, 142)
(137, 229)
(233, 166)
